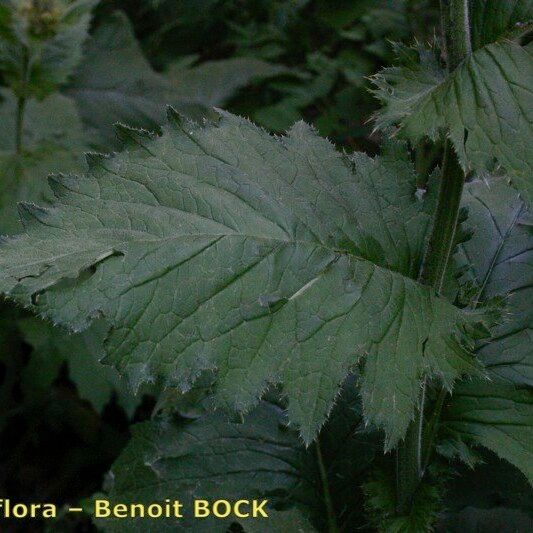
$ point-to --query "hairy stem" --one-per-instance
(413, 454)
(332, 520)
(455, 22)
(442, 239)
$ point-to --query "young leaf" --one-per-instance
(53, 139)
(81, 352)
(268, 259)
(45, 36)
(483, 105)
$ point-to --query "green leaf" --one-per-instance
(53, 140)
(493, 19)
(53, 347)
(498, 262)
(483, 106)
(271, 260)
(47, 36)
(497, 416)
(213, 83)
(115, 82)
(260, 457)
(211, 458)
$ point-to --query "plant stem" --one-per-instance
(332, 520)
(413, 454)
(455, 22)
(441, 242)
(409, 460)
(21, 104)
(432, 427)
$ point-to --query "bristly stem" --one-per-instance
(332, 520)
(413, 454)
(455, 27)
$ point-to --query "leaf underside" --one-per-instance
(269, 260)
(499, 263)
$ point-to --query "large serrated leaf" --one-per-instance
(484, 106)
(268, 259)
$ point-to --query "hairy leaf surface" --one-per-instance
(484, 105)
(270, 260)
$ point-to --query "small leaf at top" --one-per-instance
(484, 106)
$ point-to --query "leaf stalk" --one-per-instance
(332, 520)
